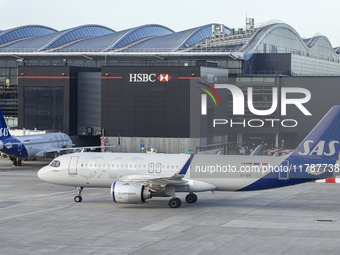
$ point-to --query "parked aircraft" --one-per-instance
(135, 177)
(30, 146)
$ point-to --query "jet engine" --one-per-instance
(129, 192)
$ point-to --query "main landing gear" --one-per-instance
(78, 197)
(16, 161)
(191, 198)
(175, 202)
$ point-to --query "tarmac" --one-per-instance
(42, 218)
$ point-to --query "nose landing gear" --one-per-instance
(78, 198)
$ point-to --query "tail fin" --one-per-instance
(257, 150)
(322, 144)
(4, 133)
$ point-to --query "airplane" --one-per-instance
(135, 177)
(30, 146)
(38, 146)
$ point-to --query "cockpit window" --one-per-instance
(55, 163)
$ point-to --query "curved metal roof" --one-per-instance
(119, 39)
(177, 40)
(282, 37)
(21, 32)
(272, 38)
(60, 38)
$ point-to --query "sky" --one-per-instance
(306, 17)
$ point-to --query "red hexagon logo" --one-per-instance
(164, 77)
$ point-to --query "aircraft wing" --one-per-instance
(154, 180)
(158, 183)
(74, 149)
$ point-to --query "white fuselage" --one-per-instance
(38, 144)
(93, 169)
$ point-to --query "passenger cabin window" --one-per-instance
(55, 163)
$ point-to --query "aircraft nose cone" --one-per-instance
(42, 174)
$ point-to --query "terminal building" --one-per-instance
(153, 86)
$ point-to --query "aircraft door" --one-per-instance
(158, 168)
(284, 170)
(72, 167)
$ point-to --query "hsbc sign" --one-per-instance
(145, 77)
(164, 77)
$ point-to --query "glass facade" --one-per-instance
(9, 87)
(43, 107)
(311, 57)
(262, 95)
(305, 66)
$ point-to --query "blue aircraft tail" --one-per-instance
(4, 132)
(322, 144)
(257, 150)
(315, 157)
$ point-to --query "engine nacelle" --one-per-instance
(129, 192)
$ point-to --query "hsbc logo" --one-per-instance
(144, 77)
(164, 77)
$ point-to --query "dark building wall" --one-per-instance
(135, 106)
(47, 98)
(325, 92)
(89, 103)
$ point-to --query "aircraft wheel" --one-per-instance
(78, 199)
(175, 202)
(15, 161)
(191, 198)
